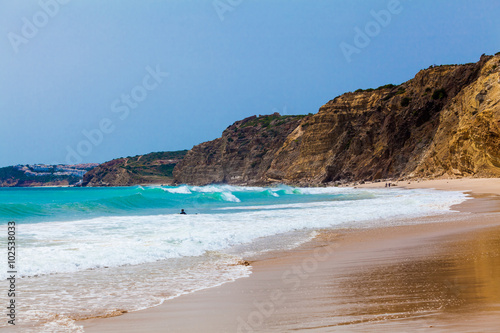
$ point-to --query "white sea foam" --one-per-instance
(129, 240)
(179, 190)
(52, 303)
(228, 196)
(232, 188)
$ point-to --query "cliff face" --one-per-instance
(242, 155)
(377, 134)
(153, 168)
(443, 122)
(467, 141)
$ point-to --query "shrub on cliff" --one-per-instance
(405, 101)
(439, 94)
(387, 86)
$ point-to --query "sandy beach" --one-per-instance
(437, 273)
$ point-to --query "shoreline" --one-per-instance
(242, 304)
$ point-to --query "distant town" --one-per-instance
(44, 174)
(77, 170)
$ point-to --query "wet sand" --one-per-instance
(439, 273)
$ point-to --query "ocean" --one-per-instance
(97, 252)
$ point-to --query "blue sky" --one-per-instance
(85, 66)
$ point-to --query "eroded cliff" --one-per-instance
(443, 122)
(242, 155)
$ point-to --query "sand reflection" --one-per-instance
(453, 277)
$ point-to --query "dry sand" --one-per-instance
(473, 185)
(442, 276)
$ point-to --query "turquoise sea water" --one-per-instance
(31, 205)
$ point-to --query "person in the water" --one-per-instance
(183, 212)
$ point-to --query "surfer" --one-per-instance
(183, 212)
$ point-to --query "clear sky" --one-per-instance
(86, 80)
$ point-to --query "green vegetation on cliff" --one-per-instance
(153, 168)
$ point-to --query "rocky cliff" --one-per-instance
(467, 140)
(443, 122)
(243, 155)
(153, 168)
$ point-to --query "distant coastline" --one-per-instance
(46, 175)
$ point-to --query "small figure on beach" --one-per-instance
(385, 184)
(183, 212)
